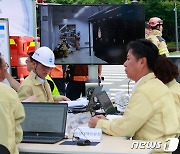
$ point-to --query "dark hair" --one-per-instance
(30, 56)
(166, 70)
(156, 27)
(1, 62)
(144, 48)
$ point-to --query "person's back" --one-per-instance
(156, 37)
(77, 41)
(174, 87)
(167, 72)
(160, 110)
(11, 115)
(153, 36)
(78, 75)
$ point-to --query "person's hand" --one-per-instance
(64, 98)
(31, 99)
(93, 121)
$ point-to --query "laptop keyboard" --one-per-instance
(41, 139)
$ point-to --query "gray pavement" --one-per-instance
(115, 79)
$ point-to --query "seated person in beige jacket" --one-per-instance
(151, 112)
(11, 115)
(36, 84)
(167, 72)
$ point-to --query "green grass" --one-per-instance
(172, 44)
(172, 48)
(175, 53)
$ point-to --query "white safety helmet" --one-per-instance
(45, 56)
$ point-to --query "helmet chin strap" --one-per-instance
(36, 71)
(158, 27)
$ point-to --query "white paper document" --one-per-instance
(77, 103)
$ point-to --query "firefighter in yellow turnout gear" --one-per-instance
(155, 36)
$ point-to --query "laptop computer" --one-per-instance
(93, 101)
(106, 103)
(44, 122)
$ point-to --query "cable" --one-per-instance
(76, 138)
(128, 86)
(119, 105)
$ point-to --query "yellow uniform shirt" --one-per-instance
(150, 115)
(32, 86)
(11, 115)
(174, 87)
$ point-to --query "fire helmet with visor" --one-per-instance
(45, 56)
(154, 21)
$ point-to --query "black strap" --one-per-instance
(160, 38)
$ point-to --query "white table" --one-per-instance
(108, 145)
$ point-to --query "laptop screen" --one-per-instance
(96, 91)
(45, 117)
(106, 103)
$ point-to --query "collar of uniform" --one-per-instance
(41, 80)
(34, 78)
(171, 83)
(156, 32)
(136, 84)
(146, 78)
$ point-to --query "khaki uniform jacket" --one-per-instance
(32, 86)
(150, 115)
(174, 87)
(11, 115)
(156, 37)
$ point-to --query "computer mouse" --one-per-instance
(83, 142)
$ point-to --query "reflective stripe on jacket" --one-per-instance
(80, 78)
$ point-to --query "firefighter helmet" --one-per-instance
(45, 56)
(155, 21)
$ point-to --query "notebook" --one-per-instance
(106, 103)
(44, 122)
(92, 101)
